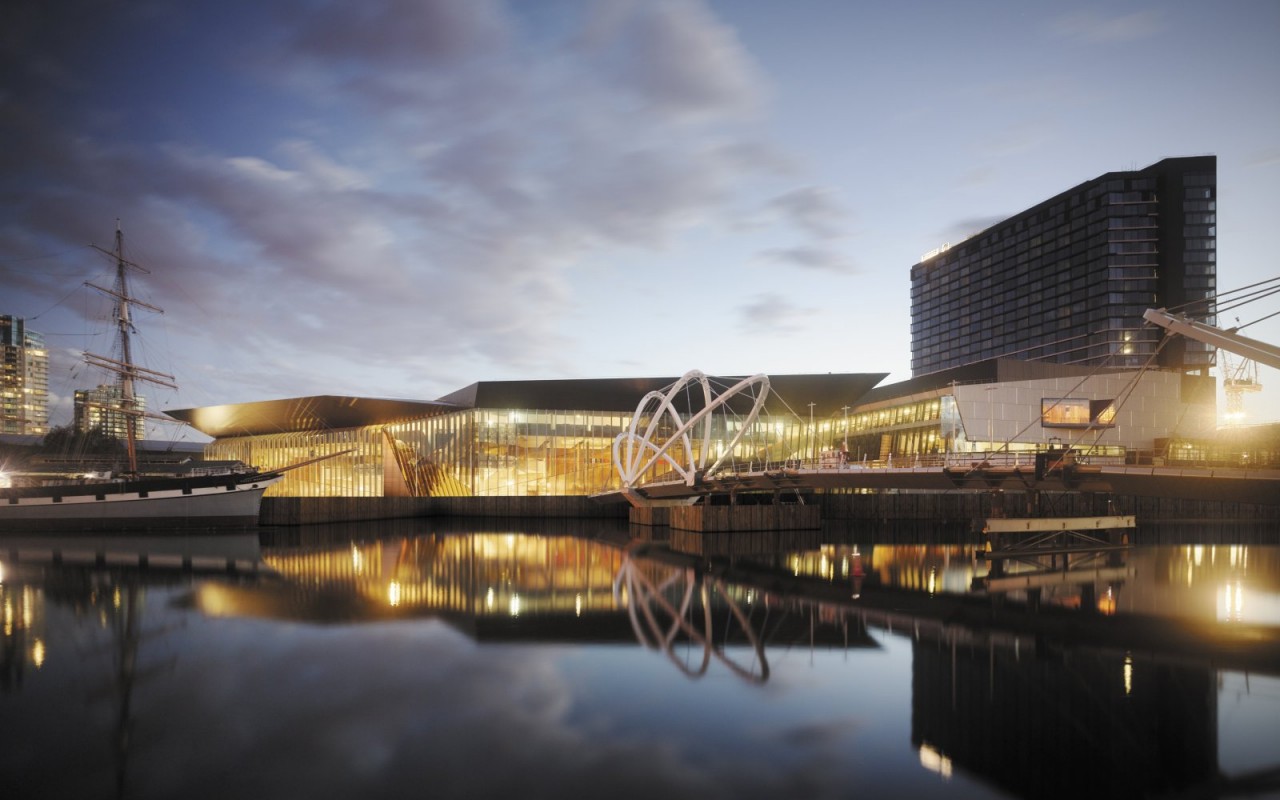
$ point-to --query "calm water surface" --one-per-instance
(406, 660)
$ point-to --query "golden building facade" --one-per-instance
(517, 438)
(556, 438)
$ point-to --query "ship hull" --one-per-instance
(221, 502)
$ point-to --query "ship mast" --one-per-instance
(127, 373)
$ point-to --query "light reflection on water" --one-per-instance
(398, 660)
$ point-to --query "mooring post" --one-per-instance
(997, 503)
(1088, 597)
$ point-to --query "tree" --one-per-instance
(65, 440)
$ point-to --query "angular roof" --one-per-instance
(828, 393)
(992, 370)
(316, 413)
(603, 394)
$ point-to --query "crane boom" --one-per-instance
(1228, 340)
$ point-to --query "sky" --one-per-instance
(398, 198)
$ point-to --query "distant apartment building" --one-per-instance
(1067, 281)
(24, 379)
(103, 409)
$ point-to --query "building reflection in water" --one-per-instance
(23, 643)
(512, 574)
(465, 576)
(1212, 583)
(1087, 695)
(1065, 724)
(98, 577)
(102, 581)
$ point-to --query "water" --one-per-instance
(407, 660)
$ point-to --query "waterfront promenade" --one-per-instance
(980, 472)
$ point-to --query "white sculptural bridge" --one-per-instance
(670, 454)
(636, 453)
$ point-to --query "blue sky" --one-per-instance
(397, 198)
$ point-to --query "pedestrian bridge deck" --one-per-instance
(1227, 484)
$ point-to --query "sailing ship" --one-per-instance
(201, 495)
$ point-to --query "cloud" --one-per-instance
(825, 732)
(1095, 27)
(1264, 158)
(962, 229)
(814, 210)
(377, 709)
(978, 176)
(676, 58)
(396, 33)
(770, 315)
(389, 189)
(810, 257)
(817, 214)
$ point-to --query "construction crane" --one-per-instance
(1238, 377)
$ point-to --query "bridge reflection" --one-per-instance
(1090, 690)
(1193, 604)
(1108, 684)
(1213, 605)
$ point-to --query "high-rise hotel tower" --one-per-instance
(1068, 280)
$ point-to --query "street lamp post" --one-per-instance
(844, 447)
(952, 432)
(991, 418)
(812, 436)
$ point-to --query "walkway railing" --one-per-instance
(930, 461)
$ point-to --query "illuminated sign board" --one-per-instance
(1070, 412)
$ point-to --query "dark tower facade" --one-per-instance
(1068, 280)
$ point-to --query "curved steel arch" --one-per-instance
(635, 453)
(662, 621)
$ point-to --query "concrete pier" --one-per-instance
(958, 507)
(723, 519)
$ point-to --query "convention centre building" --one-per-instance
(556, 437)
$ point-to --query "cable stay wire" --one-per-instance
(1259, 319)
(1235, 306)
(1265, 282)
(1231, 298)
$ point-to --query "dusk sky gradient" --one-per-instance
(398, 198)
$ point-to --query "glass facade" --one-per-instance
(353, 467)
(1068, 280)
(926, 430)
(24, 379)
(485, 452)
(443, 449)
(497, 452)
(1252, 447)
(910, 428)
